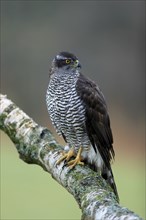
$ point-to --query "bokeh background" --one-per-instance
(109, 39)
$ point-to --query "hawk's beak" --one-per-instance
(77, 64)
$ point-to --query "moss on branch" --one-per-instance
(35, 144)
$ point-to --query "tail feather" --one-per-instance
(107, 174)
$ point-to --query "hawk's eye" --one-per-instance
(67, 61)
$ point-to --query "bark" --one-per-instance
(36, 145)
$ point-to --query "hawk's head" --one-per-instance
(66, 61)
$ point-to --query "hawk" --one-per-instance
(78, 111)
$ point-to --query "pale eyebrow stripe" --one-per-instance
(61, 57)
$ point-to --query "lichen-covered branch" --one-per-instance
(35, 144)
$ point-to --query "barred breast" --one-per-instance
(66, 109)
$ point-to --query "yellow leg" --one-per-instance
(77, 160)
(66, 156)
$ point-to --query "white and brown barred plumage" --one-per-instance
(78, 111)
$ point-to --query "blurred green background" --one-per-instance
(109, 39)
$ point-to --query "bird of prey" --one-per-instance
(78, 111)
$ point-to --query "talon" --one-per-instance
(66, 156)
(77, 160)
(73, 163)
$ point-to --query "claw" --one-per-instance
(68, 155)
(77, 160)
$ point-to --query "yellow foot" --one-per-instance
(66, 156)
(76, 161)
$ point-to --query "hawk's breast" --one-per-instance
(67, 111)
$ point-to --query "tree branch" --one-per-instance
(36, 145)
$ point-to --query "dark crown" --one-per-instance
(67, 55)
(65, 59)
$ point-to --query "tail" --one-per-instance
(107, 174)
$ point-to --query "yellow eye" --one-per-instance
(67, 61)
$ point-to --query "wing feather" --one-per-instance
(97, 118)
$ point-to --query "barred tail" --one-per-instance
(107, 174)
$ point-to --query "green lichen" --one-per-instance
(80, 181)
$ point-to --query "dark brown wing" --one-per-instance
(97, 119)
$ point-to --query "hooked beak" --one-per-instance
(77, 64)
